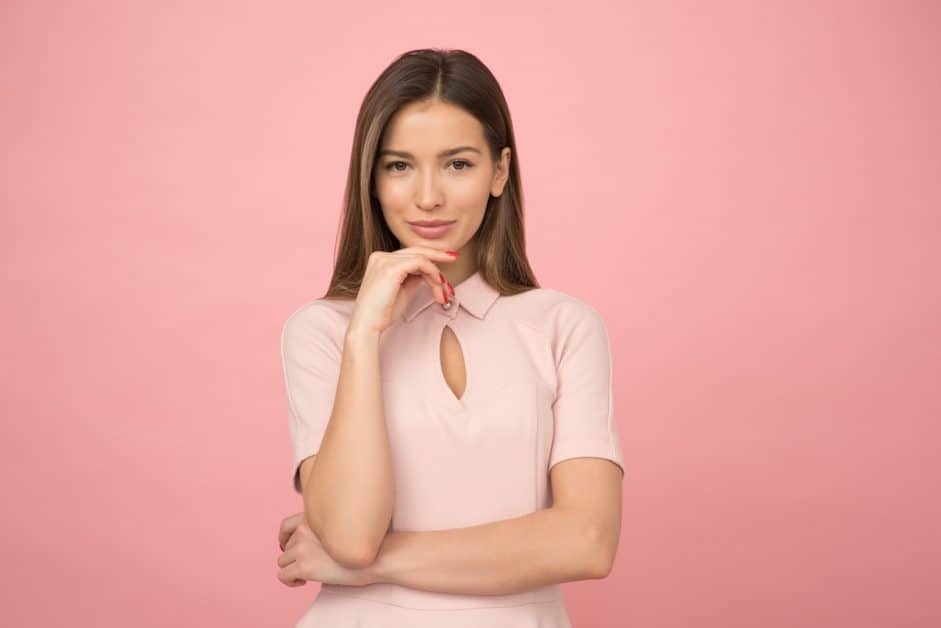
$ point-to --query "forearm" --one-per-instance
(503, 557)
(349, 493)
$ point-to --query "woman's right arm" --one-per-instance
(349, 488)
(348, 493)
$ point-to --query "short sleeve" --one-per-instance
(583, 410)
(310, 356)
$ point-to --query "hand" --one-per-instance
(390, 282)
(303, 558)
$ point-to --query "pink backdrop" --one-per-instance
(768, 178)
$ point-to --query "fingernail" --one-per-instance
(454, 253)
(441, 275)
(451, 288)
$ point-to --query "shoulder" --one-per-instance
(554, 312)
(318, 319)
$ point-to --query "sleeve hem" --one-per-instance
(299, 457)
(587, 448)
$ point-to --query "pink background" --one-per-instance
(767, 264)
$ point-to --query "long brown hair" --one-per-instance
(459, 78)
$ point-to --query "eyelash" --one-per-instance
(467, 165)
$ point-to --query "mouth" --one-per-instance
(431, 229)
(431, 223)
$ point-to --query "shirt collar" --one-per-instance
(474, 294)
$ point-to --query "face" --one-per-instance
(420, 177)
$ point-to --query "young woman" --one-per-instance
(452, 422)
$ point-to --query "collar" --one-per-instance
(474, 294)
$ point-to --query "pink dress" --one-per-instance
(538, 391)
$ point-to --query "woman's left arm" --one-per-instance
(575, 539)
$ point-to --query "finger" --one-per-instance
(287, 577)
(284, 539)
(294, 540)
(415, 266)
(421, 265)
(288, 525)
(292, 575)
(437, 254)
(287, 557)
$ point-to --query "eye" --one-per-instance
(391, 166)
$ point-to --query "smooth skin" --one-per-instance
(348, 486)
(344, 536)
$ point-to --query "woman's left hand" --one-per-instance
(303, 558)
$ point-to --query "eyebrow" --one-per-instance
(444, 153)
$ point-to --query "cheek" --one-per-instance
(393, 194)
(470, 194)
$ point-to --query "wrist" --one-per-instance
(357, 336)
(381, 570)
(365, 576)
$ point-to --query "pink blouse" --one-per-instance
(538, 391)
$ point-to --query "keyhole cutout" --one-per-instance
(452, 362)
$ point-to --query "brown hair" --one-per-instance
(458, 78)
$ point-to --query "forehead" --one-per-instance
(427, 127)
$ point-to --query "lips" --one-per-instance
(431, 223)
(431, 229)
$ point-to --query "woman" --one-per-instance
(436, 389)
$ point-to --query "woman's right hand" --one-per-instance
(390, 282)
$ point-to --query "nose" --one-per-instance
(429, 194)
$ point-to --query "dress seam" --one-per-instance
(450, 608)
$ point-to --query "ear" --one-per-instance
(501, 173)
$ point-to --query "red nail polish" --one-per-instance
(451, 288)
(454, 253)
(441, 275)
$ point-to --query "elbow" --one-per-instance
(602, 565)
(601, 552)
(348, 550)
(351, 555)
(353, 549)
(344, 551)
